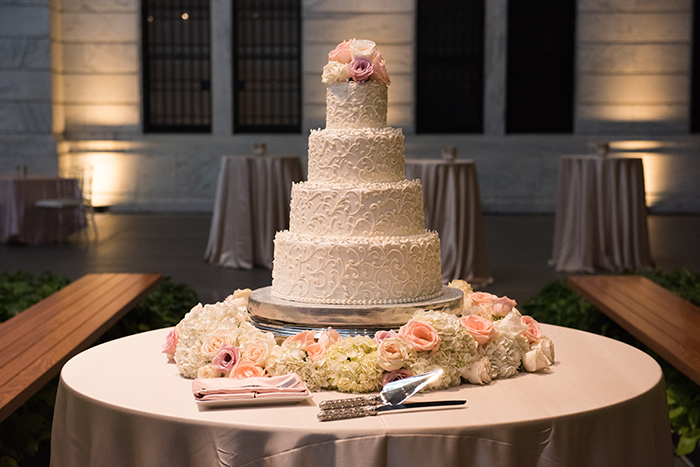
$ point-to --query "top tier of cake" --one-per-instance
(356, 105)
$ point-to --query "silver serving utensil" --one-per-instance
(394, 393)
(365, 410)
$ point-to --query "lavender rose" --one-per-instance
(396, 375)
(361, 69)
(226, 358)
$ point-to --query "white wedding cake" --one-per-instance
(357, 231)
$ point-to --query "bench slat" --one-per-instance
(73, 318)
(657, 317)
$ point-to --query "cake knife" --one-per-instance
(365, 410)
(394, 393)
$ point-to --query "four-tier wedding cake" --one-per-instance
(357, 231)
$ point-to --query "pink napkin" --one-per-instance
(218, 389)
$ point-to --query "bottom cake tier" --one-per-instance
(356, 271)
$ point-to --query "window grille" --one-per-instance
(267, 66)
(540, 66)
(176, 66)
(450, 66)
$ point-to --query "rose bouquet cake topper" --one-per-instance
(355, 60)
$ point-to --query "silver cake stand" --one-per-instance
(285, 318)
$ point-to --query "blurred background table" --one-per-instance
(252, 203)
(602, 403)
(24, 223)
(601, 215)
(453, 208)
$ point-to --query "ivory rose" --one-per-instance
(533, 333)
(379, 336)
(256, 351)
(214, 340)
(547, 347)
(360, 69)
(535, 360)
(363, 49)
(419, 336)
(335, 72)
(225, 359)
(342, 52)
(481, 329)
(170, 344)
(239, 299)
(479, 372)
(503, 305)
(393, 351)
(208, 371)
(395, 376)
(246, 369)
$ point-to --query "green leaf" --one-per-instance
(694, 417)
(686, 446)
(677, 412)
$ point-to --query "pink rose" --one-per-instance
(246, 369)
(379, 336)
(395, 376)
(419, 335)
(361, 69)
(226, 358)
(481, 298)
(342, 52)
(503, 305)
(170, 344)
(533, 333)
(481, 329)
(380, 74)
(315, 351)
(305, 337)
(328, 338)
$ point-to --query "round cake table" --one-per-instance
(602, 404)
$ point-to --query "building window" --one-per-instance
(449, 66)
(695, 72)
(176, 66)
(540, 66)
(267, 66)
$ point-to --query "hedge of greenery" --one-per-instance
(28, 429)
(558, 304)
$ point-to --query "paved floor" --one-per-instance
(519, 247)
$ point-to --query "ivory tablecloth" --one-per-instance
(602, 404)
(601, 219)
(22, 222)
(252, 203)
(453, 209)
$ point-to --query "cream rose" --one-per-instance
(214, 340)
(503, 305)
(533, 333)
(335, 72)
(547, 347)
(363, 48)
(393, 351)
(342, 52)
(208, 371)
(329, 337)
(170, 344)
(481, 329)
(479, 372)
(256, 351)
(246, 369)
(535, 360)
(419, 336)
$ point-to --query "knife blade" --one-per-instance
(369, 410)
(393, 393)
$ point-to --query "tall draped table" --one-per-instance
(601, 215)
(602, 404)
(252, 203)
(22, 222)
(453, 208)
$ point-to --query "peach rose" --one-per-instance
(481, 298)
(170, 344)
(305, 337)
(392, 353)
(246, 369)
(503, 305)
(533, 333)
(329, 337)
(481, 329)
(342, 52)
(380, 74)
(315, 351)
(226, 358)
(419, 336)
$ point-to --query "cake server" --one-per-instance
(365, 410)
(394, 393)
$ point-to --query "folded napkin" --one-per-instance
(260, 387)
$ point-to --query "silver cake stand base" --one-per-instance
(285, 318)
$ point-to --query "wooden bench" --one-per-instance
(35, 344)
(669, 325)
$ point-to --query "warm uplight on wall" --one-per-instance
(656, 167)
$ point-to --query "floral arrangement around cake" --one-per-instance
(490, 340)
(355, 60)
